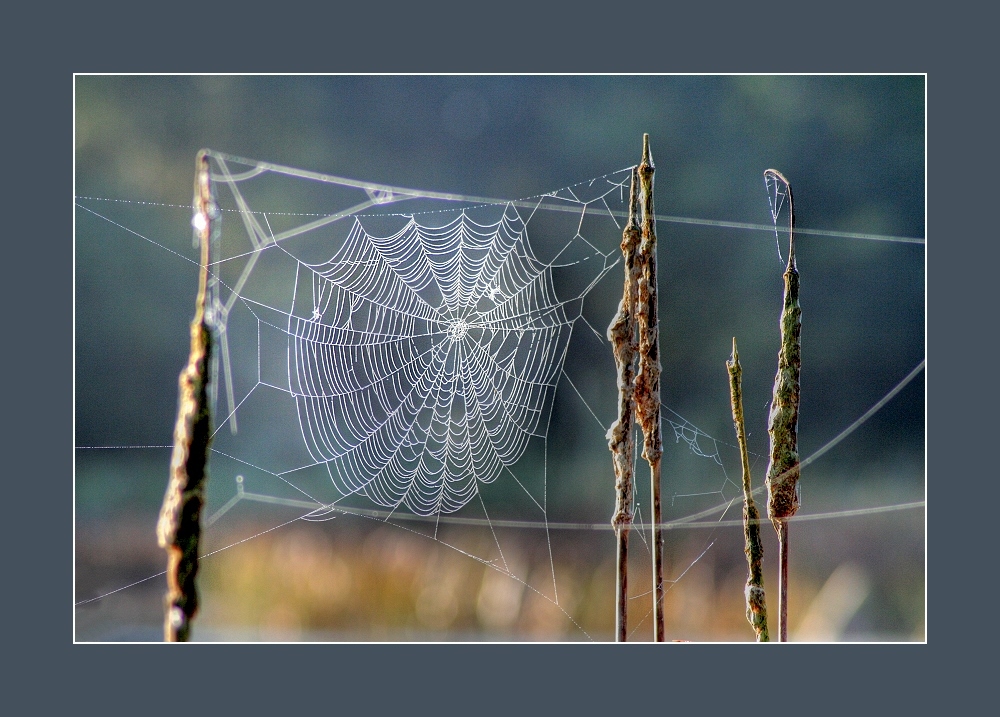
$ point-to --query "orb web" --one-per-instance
(423, 361)
(410, 360)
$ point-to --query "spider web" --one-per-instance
(396, 356)
(416, 341)
(428, 359)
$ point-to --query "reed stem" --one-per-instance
(782, 581)
(783, 468)
(621, 439)
(647, 382)
(753, 547)
(179, 527)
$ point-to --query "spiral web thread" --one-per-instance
(463, 339)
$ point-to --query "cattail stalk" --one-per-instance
(179, 527)
(621, 439)
(783, 469)
(647, 382)
(754, 549)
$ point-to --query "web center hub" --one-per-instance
(457, 329)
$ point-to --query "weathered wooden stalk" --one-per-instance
(753, 547)
(621, 439)
(647, 382)
(179, 527)
(783, 469)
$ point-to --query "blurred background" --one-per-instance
(853, 150)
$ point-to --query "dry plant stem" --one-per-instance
(782, 581)
(754, 549)
(647, 382)
(179, 527)
(621, 440)
(783, 469)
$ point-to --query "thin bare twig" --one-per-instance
(179, 527)
(621, 439)
(754, 549)
(783, 469)
(647, 382)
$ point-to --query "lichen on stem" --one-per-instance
(621, 439)
(753, 547)
(179, 528)
(647, 381)
(783, 468)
